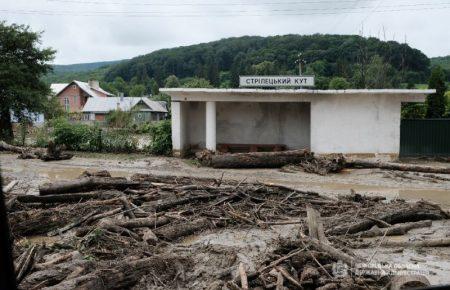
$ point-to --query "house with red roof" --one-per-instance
(73, 96)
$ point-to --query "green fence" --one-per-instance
(425, 137)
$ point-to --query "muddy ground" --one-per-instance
(214, 250)
(409, 186)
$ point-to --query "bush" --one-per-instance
(338, 83)
(118, 141)
(161, 134)
(77, 136)
(42, 137)
(119, 119)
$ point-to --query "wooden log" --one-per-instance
(25, 263)
(173, 232)
(411, 214)
(445, 242)
(398, 166)
(57, 260)
(315, 225)
(150, 222)
(72, 197)
(70, 226)
(409, 282)
(333, 252)
(165, 204)
(122, 274)
(7, 188)
(259, 159)
(53, 275)
(395, 230)
(87, 184)
(6, 147)
(280, 282)
(243, 276)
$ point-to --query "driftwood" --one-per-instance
(25, 263)
(87, 184)
(7, 147)
(396, 230)
(181, 230)
(243, 276)
(445, 242)
(409, 282)
(256, 159)
(7, 188)
(67, 198)
(412, 214)
(397, 166)
(121, 275)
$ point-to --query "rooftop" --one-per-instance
(104, 105)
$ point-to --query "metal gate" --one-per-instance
(425, 137)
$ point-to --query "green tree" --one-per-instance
(120, 85)
(264, 68)
(52, 108)
(154, 87)
(436, 103)
(172, 82)
(338, 83)
(137, 91)
(197, 83)
(379, 74)
(413, 111)
(23, 62)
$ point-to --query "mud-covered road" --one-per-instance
(409, 186)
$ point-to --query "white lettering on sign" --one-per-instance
(276, 81)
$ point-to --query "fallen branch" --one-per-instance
(397, 166)
(445, 242)
(396, 230)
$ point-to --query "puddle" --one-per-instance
(440, 196)
(55, 174)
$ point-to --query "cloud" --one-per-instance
(88, 32)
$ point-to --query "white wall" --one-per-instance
(355, 124)
(264, 123)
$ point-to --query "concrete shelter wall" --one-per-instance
(355, 124)
(264, 123)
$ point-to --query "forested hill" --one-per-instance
(362, 62)
(443, 61)
(79, 71)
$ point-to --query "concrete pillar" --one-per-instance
(178, 128)
(211, 126)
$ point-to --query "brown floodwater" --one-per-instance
(440, 196)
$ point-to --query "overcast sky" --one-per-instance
(99, 30)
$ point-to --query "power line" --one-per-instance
(206, 14)
(329, 10)
(206, 4)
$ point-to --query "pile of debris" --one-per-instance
(303, 160)
(105, 232)
(52, 153)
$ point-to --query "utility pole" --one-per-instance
(300, 61)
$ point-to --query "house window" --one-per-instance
(75, 100)
(66, 104)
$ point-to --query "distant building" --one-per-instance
(144, 110)
(73, 96)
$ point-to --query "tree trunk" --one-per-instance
(87, 184)
(6, 132)
(398, 167)
(258, 159)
